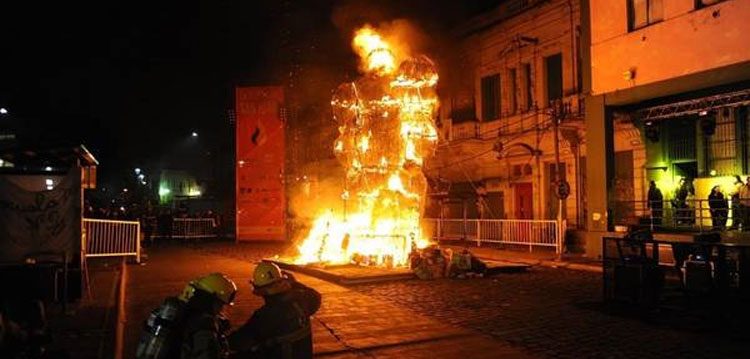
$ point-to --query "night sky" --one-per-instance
(132, 80)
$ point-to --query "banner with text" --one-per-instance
(261, 204)
(34, 221)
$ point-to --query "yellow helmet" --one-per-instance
(269, 280)
(217, 284)
(265, 274)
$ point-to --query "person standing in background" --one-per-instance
(736, 206)
(745, 203)
(718, 208)
(655, 203)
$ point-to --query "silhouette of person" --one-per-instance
(655, 203)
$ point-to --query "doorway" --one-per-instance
(524, 195)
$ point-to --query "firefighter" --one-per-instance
(190, 325)
(204, 335)
(281, 327)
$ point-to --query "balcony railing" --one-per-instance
(511, 124)
(689, 215)
(466, 130)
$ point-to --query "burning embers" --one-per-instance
(386, 131)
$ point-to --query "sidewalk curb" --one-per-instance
(120, 326)
(551, 264)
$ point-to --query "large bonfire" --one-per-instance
(386, 130)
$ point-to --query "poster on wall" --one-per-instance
(260, 200)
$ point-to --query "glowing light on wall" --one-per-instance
(164, 191)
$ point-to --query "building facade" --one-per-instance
(677, 74)
(519, 68)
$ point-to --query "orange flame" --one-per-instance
(375, 53)
(386, 131)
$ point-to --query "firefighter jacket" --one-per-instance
(280, 328)
(205, 337)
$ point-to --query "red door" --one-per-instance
(523, 199)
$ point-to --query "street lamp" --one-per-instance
(137, 171)
(3, 111)
(194, 134)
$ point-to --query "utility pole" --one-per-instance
(562, 189)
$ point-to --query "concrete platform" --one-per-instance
(352, 274)
(349, 274)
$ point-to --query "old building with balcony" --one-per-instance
(677, 73)
(520, 68)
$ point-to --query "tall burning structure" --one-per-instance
(386, 129)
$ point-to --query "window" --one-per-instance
(643, 13)
(681, 139)
(699, 4)
(463, 114)
(722, 146)
(579, 61)
(553, 67)
(513, 95)
(528, 90)
(742, 119)
(490, 97)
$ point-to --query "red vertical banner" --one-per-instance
(261, 204)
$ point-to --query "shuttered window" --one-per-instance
(553, 67)
(513, 92)
(723, 147)
(490, 97)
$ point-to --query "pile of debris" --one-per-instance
(433, 262)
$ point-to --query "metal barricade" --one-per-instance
(523, 232)
(193, 228)
(109, 238)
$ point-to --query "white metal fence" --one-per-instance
(108, 238)
(193, 228)
(522, 232)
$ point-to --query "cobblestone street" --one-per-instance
(546, 312)
(558, 313)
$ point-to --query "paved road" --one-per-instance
(349, 325)
(557, 313)
(546, 312)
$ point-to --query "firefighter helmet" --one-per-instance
(217, 284)
(266, 274)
